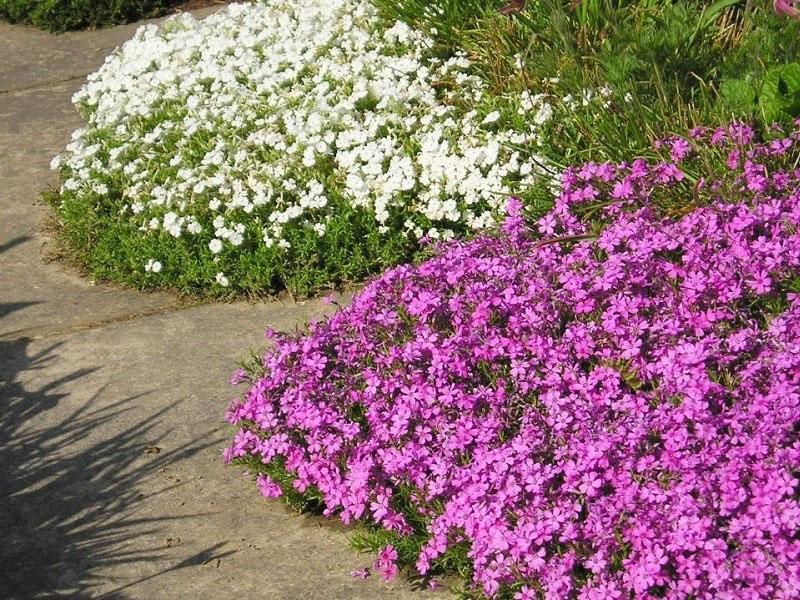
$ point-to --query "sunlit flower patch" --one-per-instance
(573, 412)
(287, 143)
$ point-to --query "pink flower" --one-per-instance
(514, 224)
(786, 8)
(238, 376)
(268, 487)
(385, 564)
(617, 402)
(514, 207)
(526, 593)
(361, 573)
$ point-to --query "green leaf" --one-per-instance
(738, 96)
(791, 75)
(709, 16)
(791, 80)
(780, 93)
(712, 12)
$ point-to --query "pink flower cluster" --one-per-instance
(787, 8)
(386, 563)
(597, 413)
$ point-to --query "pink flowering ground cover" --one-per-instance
(604, 405)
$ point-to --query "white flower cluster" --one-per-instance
(268, 116)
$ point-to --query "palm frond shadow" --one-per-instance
(15, 242)
(71, 494)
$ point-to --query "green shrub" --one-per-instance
(63, 15)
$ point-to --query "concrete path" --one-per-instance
(111, 402)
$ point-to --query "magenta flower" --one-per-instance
(385, 564)
(238, 376)
(268, 487)
(596, 410)
(361, 573)
(786, 7)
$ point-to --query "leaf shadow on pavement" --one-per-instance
(6, 308)
(71, 483)
(15, 242)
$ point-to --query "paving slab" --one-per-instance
(35, 125)
(35, 58)
(39, 73)
(112, 479)
(111, 402)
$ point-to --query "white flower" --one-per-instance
(215, 246)
(152, 266)
(275, 114)
(544, 114)
(492, 117)
(222, 280)
(309, 159)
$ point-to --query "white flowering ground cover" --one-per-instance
(286, 144)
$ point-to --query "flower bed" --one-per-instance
(602, 412)
(287, 144)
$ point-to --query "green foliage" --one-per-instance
(775, 98)
(63, 15)
(666, 65)
(444, 19)
(351, 250)
(738, 96)
(780, 93)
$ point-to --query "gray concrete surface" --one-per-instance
(111, 402)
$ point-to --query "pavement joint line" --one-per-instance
(44, 86)
(30, 332)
